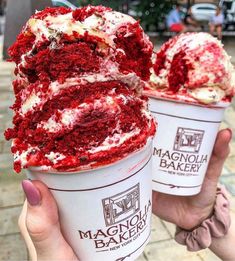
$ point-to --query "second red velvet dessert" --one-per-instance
(192, 83)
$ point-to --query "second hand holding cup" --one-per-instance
(192, 83)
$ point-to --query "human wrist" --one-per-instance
(215, 226)
(224, 247)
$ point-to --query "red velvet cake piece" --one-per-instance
(78, 93)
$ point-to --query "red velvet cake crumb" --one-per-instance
(17, 166)
(23, 44)
(59, 64)
(178, 75)
(161, 55)
(53, 11)
(138, 54)
(19, 85)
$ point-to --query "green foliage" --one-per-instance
(114, 4)
(153, 12)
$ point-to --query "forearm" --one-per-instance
(224, 247)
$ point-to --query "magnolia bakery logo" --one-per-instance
(188, 140)
(121, 206)
(185, 157)
(124, 220)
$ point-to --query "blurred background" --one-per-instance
(154, 16)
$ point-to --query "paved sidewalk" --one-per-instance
(162, 246)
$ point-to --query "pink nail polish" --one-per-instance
(31, 192)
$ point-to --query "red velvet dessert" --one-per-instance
(195, 68)
(78, 92)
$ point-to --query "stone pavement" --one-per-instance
(162, 246)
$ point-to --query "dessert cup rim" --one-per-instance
(43, 170)
(220, 104)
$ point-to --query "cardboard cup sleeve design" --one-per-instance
(105, 213)
(183, 145)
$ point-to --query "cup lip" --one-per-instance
(153, 95)
(87, 168)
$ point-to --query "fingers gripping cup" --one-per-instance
(192, 83)
(82, 125)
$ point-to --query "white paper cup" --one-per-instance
(183, 145)
(105, 213)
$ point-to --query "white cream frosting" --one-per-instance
(207, 95)
(31, 102)
(22, 157)
(115, 141)
(104, 27)
(55, 157)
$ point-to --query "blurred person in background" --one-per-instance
(216, 23)
(2, 15)
(174, 22)
(84, 2)
(190, 22)
(2, 7)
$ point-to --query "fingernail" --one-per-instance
(231, 132)
(31, 192)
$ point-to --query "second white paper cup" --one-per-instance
(183, 145)
(105, 213)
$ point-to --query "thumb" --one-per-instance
(220, 153)
(42, 222)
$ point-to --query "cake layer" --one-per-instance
(83, 125)
(63, 43)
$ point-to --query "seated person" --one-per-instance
(190, 22)
(216, 23)
(174, 22)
